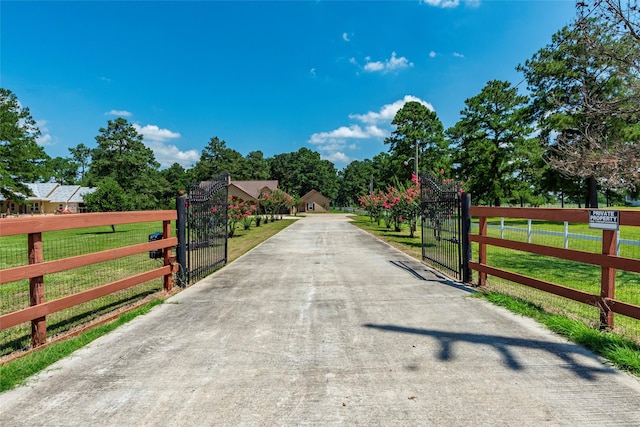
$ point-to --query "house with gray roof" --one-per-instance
(47, 198)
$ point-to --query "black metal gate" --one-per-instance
(202, 229)
(442, 226)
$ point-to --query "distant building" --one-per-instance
(630, 201)
(250, 191)
(47, 198)
(314, 201)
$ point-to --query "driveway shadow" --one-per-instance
(421, 272)
(505, 346)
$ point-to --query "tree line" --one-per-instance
(572, 135)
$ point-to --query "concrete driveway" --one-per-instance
(324, 324)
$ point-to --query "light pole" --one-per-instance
(415, 169)
(415, 162)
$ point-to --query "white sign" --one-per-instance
(604, 220)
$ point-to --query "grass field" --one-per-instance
(62, 244)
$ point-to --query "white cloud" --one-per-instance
(374, 66)
(119, 113)
(166, 154)
(312, 72)
(340, 134)
(332, 145)
(442, 3)
(345, 37)
(337, 157)
(458, 55)
(388, 111)
(392, 64)
(45, 139)
(432, 54)
(154, 133)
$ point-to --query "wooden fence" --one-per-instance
(37, 268)
(607, 260)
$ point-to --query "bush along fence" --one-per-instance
(23, 286)
(606, 260)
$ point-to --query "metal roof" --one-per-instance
(41, 191)
(56, 193)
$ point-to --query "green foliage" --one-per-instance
(585, 102)
(62, 170)
(241, 212)
(81, 155)
(121, 156)
(257, 166)
(272, 202)
(21, 158)
(497, 160)
(417, 126)
(108, 197)
(217, 158)
(178, 180)
(302, 171)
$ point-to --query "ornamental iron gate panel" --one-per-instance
(203, 227)
(442, 226)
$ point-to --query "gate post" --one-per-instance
(466, 244)
(607, 280)
(181, 249)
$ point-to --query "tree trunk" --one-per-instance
(592, 193)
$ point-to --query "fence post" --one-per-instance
(166, 255)
(36, 290)
(181, 249)
(608, 279)
(566, 234)
(466, 244)
(482, 250)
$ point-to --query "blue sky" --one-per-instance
(269, 76)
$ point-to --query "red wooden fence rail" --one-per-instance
(607, 259)
(37, 269)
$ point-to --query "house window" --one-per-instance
(35, 207)
(309, 206)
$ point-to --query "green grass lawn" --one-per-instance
(245, 240)
(62, 244)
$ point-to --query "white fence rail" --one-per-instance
(566, 235)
